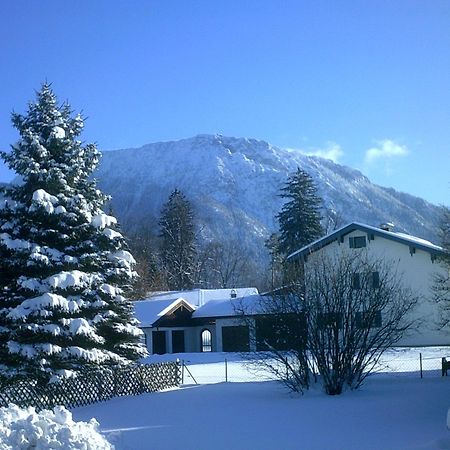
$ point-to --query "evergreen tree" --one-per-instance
(299, 219)
(178, 242)
(445, 231)
(442, 278)
(144, 245)
(276, 261)
(65, 267)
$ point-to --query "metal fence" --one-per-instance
(225, 370)
(232, 367)
(422, 362)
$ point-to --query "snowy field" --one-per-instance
(205, 368)
(398, 411)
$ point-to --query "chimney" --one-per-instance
(388, 226)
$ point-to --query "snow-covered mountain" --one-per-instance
(234, 183)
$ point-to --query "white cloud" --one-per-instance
(385, 150)
(332, 151)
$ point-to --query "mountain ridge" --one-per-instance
(234, 185)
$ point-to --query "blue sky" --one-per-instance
(365, 83)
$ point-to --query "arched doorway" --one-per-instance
(206, 340)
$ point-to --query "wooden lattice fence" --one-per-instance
(92, 386)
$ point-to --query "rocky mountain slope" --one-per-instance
(233, 184)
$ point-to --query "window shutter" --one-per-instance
(378, 322)
(375, 280)
(356, 283)
(358, 320)
(351, 241)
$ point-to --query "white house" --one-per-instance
(201, 320)
(415, 259)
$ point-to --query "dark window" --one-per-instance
(280, 331)
(356, 281)
(364, 319)
(178, 341)
(331, 320)
(205, 337)
(357, 241)
(235, 339)
(372, 279)
(159, 342)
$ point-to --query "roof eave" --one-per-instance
(328, 239)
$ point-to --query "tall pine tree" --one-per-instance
(65, 267)
(299, 218)
(178, 250)
(442, 278)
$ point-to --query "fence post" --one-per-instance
(421, 368)
(226, 370)
(182, 371)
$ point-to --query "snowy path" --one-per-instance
(388, 413)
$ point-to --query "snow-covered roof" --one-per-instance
(391, 235)
(229, 307)
(149, 311)
(418, 240)
(198, 297)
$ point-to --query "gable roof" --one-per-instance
(150, 311)
(402, 238)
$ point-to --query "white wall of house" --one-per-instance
(192, 338)
(417, 269)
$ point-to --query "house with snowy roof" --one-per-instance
(416, 260)
(201, 320)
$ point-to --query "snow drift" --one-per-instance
(25, 428)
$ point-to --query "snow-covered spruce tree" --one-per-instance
(299, 219)
(442, 279)
(178, 249)
(64, 265)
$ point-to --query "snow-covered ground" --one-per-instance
(400, 411)
(205, 368)
(25, 429)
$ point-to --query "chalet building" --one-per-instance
(202, 320)
(416, 261)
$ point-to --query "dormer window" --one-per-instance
(357, 241)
